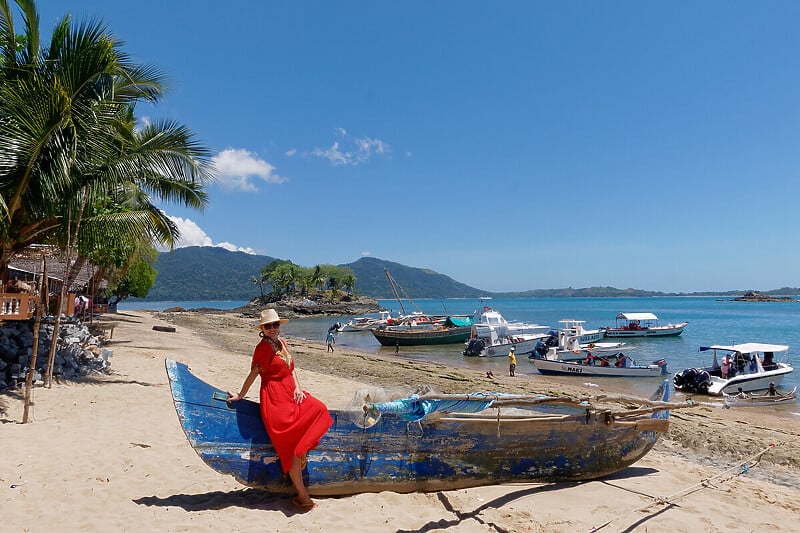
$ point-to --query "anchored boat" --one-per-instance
(642, 325)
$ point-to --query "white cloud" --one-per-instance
(366, 253)
(291, 153)
(334, 155)
(237, 168)
(193, 235)
(235, 248)
(352, 150)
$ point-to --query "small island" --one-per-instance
(755, 296)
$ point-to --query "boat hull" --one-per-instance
(748, 382)
(422, 336)
(574, 368)
(656, 331)
(447, 452)
(756, 400)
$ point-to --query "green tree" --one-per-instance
(139, 277)
(348, 279)
(69, 151)
(284, 277)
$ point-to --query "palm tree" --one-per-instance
(69, 150)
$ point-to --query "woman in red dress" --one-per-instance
(294, 420)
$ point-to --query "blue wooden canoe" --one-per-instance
(443, 451)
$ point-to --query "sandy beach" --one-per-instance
(107, 453)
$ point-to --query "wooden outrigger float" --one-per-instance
(424, 443)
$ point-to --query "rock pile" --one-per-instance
(78, 352)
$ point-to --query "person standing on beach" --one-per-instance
(294, 420)
(512, 362)
(331, 340)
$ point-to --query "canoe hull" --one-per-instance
(756, 400)
(449, 452)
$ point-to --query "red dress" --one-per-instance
(293, 428)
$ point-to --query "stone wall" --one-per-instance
(79, 352)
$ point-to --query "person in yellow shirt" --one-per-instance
(512, 362)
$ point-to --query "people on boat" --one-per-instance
(590, 359)
(769, 363)
(540, 349)
(512, 362)
(294, 420)
(604, 362)
(741, 393)
(739, 362)
(622, 361)
(725, 367)
(772, 390)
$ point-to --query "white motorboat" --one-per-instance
(750, 366)
(642, 325)
(573, 342)
(573, 331)
(618, 365)
(493, 336)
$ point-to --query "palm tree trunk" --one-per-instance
(35, 348)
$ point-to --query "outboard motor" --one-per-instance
(663, 364)
(335, 327)
(551, 341)
(702, 381)
(541, 349)
(692, 380)
(684, 380)
(474, 347)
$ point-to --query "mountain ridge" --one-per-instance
(211, 273)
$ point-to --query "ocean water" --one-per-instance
(711, 321)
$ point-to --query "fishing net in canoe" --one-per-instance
(366, 408)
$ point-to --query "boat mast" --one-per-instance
(394, 289)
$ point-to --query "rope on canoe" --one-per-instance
(743, 467)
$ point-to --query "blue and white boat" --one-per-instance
(423, 443)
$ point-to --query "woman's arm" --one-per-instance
(299, 395)
(248, 381)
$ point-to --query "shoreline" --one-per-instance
(454, 379)
(107, 452)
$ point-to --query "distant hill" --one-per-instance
(213, 273)
(206, 273)
(414, 282)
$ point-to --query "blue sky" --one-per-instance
(508, 145)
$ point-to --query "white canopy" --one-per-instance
(636, 316)
(750, 347)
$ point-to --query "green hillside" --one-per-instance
(416, 282)
(212, 273)
(206, 273)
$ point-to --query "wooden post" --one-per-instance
(35, 347)
(51, 355)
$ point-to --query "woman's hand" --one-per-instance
(299, 396)
(233, 397)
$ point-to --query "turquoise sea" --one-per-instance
(711, 321)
